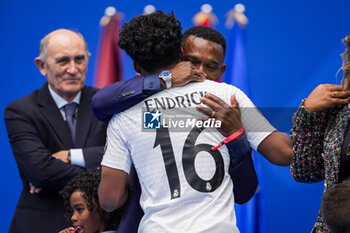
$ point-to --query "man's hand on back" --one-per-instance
(229, 116)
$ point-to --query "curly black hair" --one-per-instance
(153, 41)
(206, 33)
(87, 182)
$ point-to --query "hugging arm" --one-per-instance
(241, 168)
(124, 94)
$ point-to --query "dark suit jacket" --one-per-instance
(36, 130)
(117, 97)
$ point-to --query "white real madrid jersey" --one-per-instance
(185, 186)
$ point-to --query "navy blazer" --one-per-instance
(36, 130)
(117, 97)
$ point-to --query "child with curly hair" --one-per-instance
(83, 207)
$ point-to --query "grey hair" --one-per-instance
(45, 41)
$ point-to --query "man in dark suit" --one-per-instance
(53, 133)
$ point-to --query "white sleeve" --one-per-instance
(117, 154)
(255, 124)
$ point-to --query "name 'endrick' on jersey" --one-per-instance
(181, 101)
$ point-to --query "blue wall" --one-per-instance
(292, 46)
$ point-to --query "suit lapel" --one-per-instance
(84, 118)
(52, 114)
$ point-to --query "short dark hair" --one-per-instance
(153, 41)
(335, 207)
(87, 182)
(206, 33)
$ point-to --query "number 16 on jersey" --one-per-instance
(189, 153)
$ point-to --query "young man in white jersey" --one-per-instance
(122, 95)
(185, 185)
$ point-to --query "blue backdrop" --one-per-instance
(292, 46)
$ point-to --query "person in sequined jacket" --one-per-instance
(321, 135)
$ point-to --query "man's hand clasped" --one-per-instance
(229, 116)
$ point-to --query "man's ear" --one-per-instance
(181, 53)
(222, 71)
(41, 66)
(137, 68)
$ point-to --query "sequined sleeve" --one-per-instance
(307, 135)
